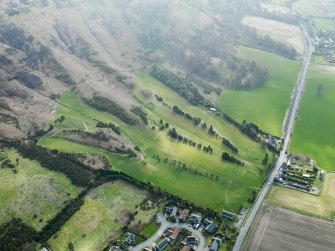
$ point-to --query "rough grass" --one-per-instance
(267, 105)
(235, 184)
(314, 132)
(101, 218)
(33, 190)
(320, 206)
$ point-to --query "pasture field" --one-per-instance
(314, 132)
(230, 185)
(322, 206)
(291, 35)
(323, 24)
(105, 211)
(266, 106)
(34, 194)
(276, 228)
(315, 8)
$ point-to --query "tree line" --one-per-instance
(107, 105)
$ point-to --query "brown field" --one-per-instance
(290, 35)
(320, 206)
(278, 229)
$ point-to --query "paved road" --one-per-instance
(287, 131)
(164, 226)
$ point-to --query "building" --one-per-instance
(174, 212)
(210, 228)
(191, 240)
(173, 233)
(161, 246)
(322, 175)
(214, 246)
(186, 248)
(196, 220)
(130, 238)
(183, 214)
(44, 249)
(228, 215)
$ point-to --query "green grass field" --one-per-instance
(105, 211)
(265, 106)
(323, 24)
(235, 184)
(310, 8)
(314, 132)
(320, 206)
(34, 194)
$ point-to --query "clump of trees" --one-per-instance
(15, 234)
(227, 157)
(227, 143)
(180, 85)
(112, 126)
(78, 175)
(139, 112)
(196, 121)
(107, 105)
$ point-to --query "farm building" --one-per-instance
(228, 215)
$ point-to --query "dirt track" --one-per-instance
(279, 229)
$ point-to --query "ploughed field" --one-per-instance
(172, 165)
(276, 228)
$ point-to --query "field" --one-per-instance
(280, 229)
(323, 24)
(105, 211)
(230, 185)
(34, 193)
(267, 105)
(314, 132)
(320, 206)
(315, 8)
(291, 35)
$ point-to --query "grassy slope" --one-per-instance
(265, 106)
(310, 8)
(100, 218)
(314, 132)
(321, 206)
(33, 190)
(235, 184)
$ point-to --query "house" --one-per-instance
(322, 176)
(183, 214)
(130, 238)
(167, 211)
(216, 243)
(214, 246)
(196, 220)
(211, 228)
(161, 246)
(173, 213)
(173, 233)
(190, 240)
(228, 215)
(186, 248)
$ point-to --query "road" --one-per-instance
(287, 131)
(164, 226)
